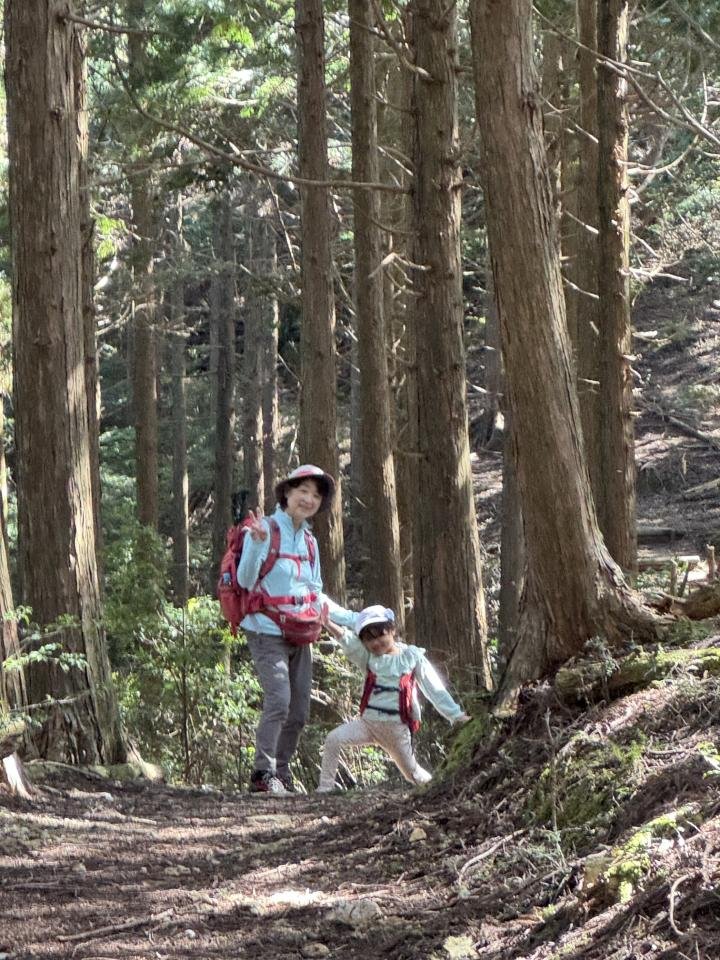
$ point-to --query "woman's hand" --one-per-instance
(258, 530)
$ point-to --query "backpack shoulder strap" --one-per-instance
(310, 543)
(269, 561)
(370, 680)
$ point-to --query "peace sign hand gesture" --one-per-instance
(258, 531)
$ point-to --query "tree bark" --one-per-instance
(180, 484)
(269, 357)
(87, 235)
(144, 359)
(616, 500)
(318, 417)
(585, 268)
(449, 600)
(394, 131)
(573, 589)
(55, 506)
(225, 382)
(252, 416)
(379, 526)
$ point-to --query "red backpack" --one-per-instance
(237, 602)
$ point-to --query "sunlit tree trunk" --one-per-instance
(252, 411)
(449, 600)
(573, 589)
(585, 270)
(224, 303)
(180, 483)
(269, 355)
(616, 492)
(395, 135)
(87, 235)
(56, 531)
(380, 536)
(318, 418)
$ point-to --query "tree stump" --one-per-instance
(12, 771)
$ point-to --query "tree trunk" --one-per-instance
(380, 535)
(485, 432)
(55, 507)
(396, 141)
(252, 416)
(318, 422)
(144, 359)
(180, 485)
(616, 501)
(573, 590)
(225, 383)
(269, 356)
(449, 600)
(512, 552)
(12, 682)
(586, 259)
(87, 237)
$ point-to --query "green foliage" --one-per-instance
(189, 697)
(136, 582)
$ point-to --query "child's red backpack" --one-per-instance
(237, 602)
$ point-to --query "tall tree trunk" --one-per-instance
(585, 270)
(512, 552)
(269, 355)
(180, 536)
(573, 590)
(225, 383)
(252, 416)
(87, 236)
(55, 508)
(395, 135)
(449, 600)
(616, 501)
(379, 521)
(318, 419)
(144, 357)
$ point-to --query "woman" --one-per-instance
(284, 668)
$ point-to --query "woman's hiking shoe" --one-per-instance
(287, 781)
(265, 781)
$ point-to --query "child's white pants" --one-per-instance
(392, 735)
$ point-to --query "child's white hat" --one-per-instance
(374, 614)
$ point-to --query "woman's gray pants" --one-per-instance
(285, 675)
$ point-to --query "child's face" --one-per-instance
(379, 639)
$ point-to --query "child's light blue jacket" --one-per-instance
(388, 668)
(287, 577)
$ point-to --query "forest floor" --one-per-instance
(587, 829)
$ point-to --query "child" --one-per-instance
(389, 709)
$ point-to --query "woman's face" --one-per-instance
(303, 501)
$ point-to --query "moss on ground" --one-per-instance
(579, 792)
(627, 864)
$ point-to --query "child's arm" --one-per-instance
(433, 688)
(350, 644)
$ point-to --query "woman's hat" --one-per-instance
(372, 615)
(308, 471)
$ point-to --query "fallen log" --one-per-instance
(701, 604)
(591, 680)
(701, 490)
(660, 561)
(651, 532)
